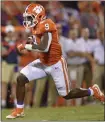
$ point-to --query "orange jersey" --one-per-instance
(54, 54)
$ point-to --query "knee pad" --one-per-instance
(22, 80)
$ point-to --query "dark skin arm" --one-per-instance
(43, 44)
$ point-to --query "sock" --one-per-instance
(90, 92)
(20, 105)
(3, 103)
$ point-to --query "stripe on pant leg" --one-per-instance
(65, 75)
(68, 79)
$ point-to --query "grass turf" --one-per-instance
(88, 112)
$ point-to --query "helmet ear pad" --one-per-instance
(39, 17)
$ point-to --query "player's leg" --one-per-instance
(28, 73)
(80, 92)
(60, 76)
(28, 94)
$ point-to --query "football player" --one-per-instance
(44, 39)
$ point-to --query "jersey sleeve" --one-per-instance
(46, 26)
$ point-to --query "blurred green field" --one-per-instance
(88, 112)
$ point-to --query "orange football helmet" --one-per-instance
(34, 13)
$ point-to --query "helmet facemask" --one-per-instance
(29, 20)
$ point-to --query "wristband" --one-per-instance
(28, 46)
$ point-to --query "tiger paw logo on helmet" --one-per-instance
(37, 9)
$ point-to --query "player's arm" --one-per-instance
(45, 42)
(43, 46)
(44, 29)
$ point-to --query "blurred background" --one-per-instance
(83, 21)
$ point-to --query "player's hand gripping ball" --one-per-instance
(31, 40)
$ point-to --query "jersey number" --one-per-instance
(46, 26)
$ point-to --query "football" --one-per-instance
(31, 40)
